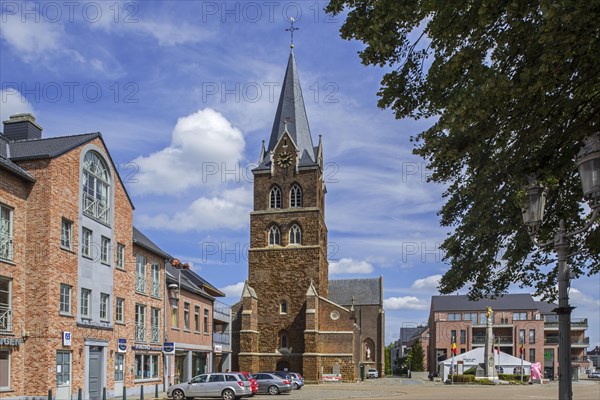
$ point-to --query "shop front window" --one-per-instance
(146, 366)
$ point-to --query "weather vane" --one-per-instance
(291, 30)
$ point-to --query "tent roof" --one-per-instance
(476, 356)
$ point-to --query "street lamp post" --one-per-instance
(588, 163)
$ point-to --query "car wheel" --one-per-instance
(228, 394)
(296, 386)
(178, 394)
(273, 390)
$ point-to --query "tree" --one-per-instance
(388, 363)
(511, 89)
(415, 357)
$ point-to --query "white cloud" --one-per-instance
(228, 211)
(404, 303)
(582, 300)
(32, 40)
(350, 266)
(205, 147)
(234, 290)
(13, 102)
(171, 34)
(430, 282)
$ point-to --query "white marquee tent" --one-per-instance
(476, 356)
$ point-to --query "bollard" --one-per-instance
(104, 393)
(142, 392)
(124, 393)
(156, 391)
(49, 394)
(79, 394)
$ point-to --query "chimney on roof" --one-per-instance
(22, 127)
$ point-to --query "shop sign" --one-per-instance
(122, 347)
(169, 347)
(10, 341)
(218, 348)
(145, 347)
(66, 338)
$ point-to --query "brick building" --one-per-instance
(81, 294)
(517, 318)
(287, 317)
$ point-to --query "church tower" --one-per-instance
(288, 238)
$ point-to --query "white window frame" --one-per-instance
(85, 304)
(119, 372)
(275, 197)
(86, 242)
(186, 316)
(6, 309)
(96, 183)
(104, 306)
(65, 299)
(175, 313)
(140, 273)
(154, 372)
(155, 325)
(206, 321)
(62, 373)
(120, 256)
(6, 233)
(8, 370)
(66, 234)
(274, 236)
(140, 322)
(120, 310)
(197, 319)
(155, 274)
(295, 235)
(295, 196)
(104, 250)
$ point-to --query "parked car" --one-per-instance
(272, 383)
(297, 380)
(283, 374)
(253, 382)
(228, 386)
(372, 373)
(594, 375)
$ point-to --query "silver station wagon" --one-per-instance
(227, 386)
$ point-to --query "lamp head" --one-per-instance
(588, 163)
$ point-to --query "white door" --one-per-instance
(119, 373)
(63, 375)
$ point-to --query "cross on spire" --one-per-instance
(291, 30)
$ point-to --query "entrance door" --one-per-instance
(119, 373)
(95, 372)
(63, 375)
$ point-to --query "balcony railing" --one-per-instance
(497, 339)
(581, 323)
(155, 290)
(155, 334)
(221, 338)
(140, 283)
(5, 319)
(140, 333)
(6, 246)
(221, 311)
(580, 342)
(96, 208)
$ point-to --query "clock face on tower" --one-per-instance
(284, 159)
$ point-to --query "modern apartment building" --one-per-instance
(517, 318)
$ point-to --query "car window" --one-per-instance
(231, 378)
(216, 378)
(199, 379)
(241, 377)
(250, 376)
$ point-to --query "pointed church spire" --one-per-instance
(262, 153)
(291, 114)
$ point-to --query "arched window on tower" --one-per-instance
(283, 340)
(295, 235)
(275, 197)
(96, 188)
(274, 236)
(296, 196)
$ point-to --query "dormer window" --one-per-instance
(96, 188)
(275, 197)
(296, 196)
(295, 235)
(274, 236)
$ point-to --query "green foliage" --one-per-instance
(513, 377)
(462, 378)
(470, 371)
(415, 357)
(388, 366)
(510, 89)
(485, 381)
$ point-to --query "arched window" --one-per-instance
(295, 235)
(274, 236)
(296, 196)
(283, 340)
(96, 188)
(275, 197)
(283, 307)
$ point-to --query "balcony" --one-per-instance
(155, 334)
(480, 340)
(221, 311)
(96, 208)
(155, 289)
(5, 319)
(140, 283)
(6, 246)
(221, 338)
(552, 324)
(140, 333)
(575, 341)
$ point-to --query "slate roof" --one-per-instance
(49, 147)
(291, 108)
(7, 164)
(199, 281)
(518, 301)
(142, 240)
(365, 291)
(174, 277)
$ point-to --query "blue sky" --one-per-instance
(185, 91)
